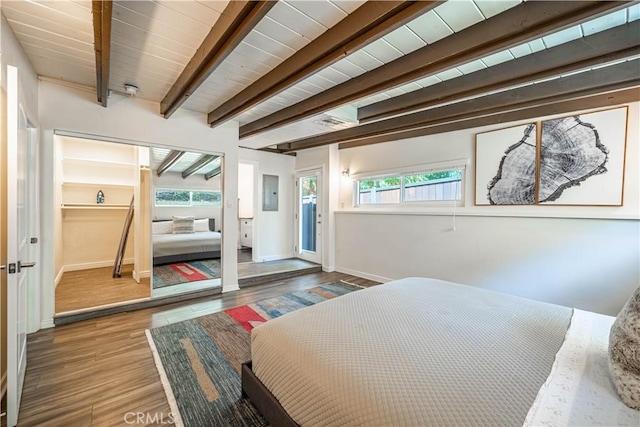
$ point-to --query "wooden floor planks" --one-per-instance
(94, 372)
(94, 287)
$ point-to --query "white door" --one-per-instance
(309, 216)
(18, 243)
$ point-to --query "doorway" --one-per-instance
(132, 223)
(308, 216)
(98, 185)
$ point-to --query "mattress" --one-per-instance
(178, 244)
(411, 352)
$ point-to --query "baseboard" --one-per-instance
(230, 288)
(363, 274)
(58, 277)
(46, 324)
(3, 384)
(276, 257)
(142, 275)
(328, 269)
(90, 265)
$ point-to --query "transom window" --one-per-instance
(427, 186)
(187, 198)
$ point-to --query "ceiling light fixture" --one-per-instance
(131, 89)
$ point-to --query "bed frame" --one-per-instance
(261, 397)
(196, 256)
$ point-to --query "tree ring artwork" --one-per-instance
(581, 162)
(506, 166)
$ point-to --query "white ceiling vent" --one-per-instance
(334, 122)
(339, 118)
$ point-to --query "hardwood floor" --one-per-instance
(95, 372)
(245, 255)
(94, 287)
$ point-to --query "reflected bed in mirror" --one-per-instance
(187, 203)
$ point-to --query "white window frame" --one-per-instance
(190, 205)
(460, 164)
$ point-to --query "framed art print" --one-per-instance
(506, 166)
(582, 159)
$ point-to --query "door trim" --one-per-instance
(318, 171)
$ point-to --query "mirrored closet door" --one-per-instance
(133, 223)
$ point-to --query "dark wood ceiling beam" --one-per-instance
(614, 77)
(170, 160)
(607, 46)
(525, 22)
(372, 20)
(102, 11)
(213, 173)
(198, 164)
(233, 25)
(560, 107)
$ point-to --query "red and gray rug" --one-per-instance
(199, 359)
(184, 272)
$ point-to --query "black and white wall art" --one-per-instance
(572, 160)
(582, 159)
(506, 166)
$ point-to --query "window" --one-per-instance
(376, 191)
(187, 198)
(432, 185)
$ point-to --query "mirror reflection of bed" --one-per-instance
(186, 209)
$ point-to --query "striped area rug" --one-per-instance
(199, 359)
(183, 272)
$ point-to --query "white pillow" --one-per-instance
(201, 225)
(162, 227)
(183, 224)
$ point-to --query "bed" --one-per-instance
(204, 243)
(426, 352)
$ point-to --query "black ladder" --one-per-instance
(117, 265)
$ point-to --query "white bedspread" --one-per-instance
(177, 244)
(413, 352)
(579, 390)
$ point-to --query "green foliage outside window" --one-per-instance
(430, 186)
(167, 197)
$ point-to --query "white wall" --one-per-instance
(587, 257)
(76, 110)
(272, 231)
(13, 54)
(194, 182)
(246, 194)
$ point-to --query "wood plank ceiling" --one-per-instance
(152, 42)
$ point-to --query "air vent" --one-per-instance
(334, 122)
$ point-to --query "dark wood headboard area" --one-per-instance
(212, 222)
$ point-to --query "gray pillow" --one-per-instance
(183, 224)
(624, 352)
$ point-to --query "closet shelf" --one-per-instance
(94, 206)
(110, 163)
(96, 184)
